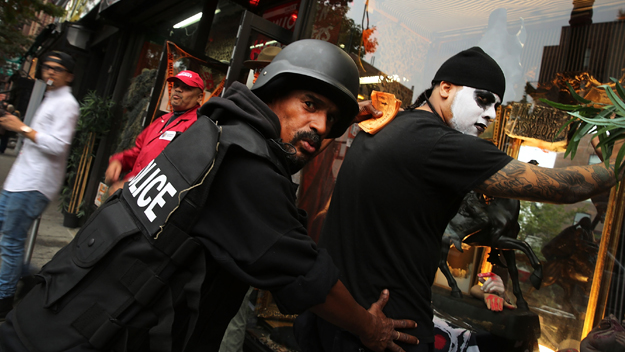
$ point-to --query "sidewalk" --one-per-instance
(52, 236)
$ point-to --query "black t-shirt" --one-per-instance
(395, 193)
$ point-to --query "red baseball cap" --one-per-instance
(189, 78)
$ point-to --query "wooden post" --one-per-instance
(82, 173)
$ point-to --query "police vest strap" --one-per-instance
(157, 191)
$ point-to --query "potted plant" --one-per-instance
(93, 123)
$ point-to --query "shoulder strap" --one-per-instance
(157, 191)
(252, 141)
(241, 135)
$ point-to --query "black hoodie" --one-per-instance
(252, 227)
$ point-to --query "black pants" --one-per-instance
(315, 334)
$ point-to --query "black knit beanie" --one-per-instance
(473, 68)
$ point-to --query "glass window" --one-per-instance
(541, 46)
(223, 33)
(183, 25)
(225, 25)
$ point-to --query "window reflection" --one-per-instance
(541, 46)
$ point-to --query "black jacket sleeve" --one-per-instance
(253, 229)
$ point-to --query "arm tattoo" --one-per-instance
(561, 185)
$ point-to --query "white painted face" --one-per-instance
(472, 110)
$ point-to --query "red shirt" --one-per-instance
(151, 142)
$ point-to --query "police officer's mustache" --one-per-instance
(313, 138)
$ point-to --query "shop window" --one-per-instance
(223, 34)
(541, 46)
(149, 57)
(184, 35)
(136, 98)
(225, 25)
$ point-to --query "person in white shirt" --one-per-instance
(39, 170)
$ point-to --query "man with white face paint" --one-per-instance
(398, 189)
(472, 110)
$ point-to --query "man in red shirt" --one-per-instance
(185, 99)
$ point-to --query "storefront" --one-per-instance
(541, 46)
(398, 45)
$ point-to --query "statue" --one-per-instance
(506, 49)
(489, 222)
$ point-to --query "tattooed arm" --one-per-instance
(571, 184)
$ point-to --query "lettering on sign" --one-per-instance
(150, 188)
(538, 122)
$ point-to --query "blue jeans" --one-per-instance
(18, 210)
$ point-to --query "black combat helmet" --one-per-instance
(317, 66)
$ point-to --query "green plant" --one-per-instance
(545, 221)
(607, 121)
(14, 15)
(94, 122)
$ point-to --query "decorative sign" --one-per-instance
(538, 123)
(284, 15)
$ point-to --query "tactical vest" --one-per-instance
(122, 282)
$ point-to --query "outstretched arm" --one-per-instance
(571, 184)
(374, 329)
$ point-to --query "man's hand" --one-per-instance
(11, 122)
(366, 111)
(374, 329)
(112, 172)
(384, 333)
(115, 186)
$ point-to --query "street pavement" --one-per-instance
(52, 235)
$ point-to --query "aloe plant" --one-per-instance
(607, 121)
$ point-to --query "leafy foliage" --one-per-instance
(96, 114)
(135, 104)
(607, 121)
(14, 14)
(545, 221)
(332, 20)
(370, 44)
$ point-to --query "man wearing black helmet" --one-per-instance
(398, 189)
(38, 172)
(250, 228)
(305, 100)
